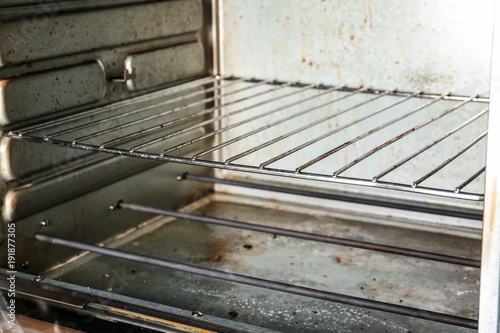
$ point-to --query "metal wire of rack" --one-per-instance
(254, 122)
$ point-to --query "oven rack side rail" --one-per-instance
(270, 107)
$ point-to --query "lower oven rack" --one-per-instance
(281, 111)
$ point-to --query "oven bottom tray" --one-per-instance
(395, 279)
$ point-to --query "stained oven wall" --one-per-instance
(64, 57)
(409, 46)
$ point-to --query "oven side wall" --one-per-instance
(63, 58)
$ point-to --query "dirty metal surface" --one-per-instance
(411, 282)
(435, 46)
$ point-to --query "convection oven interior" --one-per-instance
(246, 166)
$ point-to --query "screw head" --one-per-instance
(44, 223)
(38, 278)
(197, 314)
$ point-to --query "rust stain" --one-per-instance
(352, 36)
(159, 320)
(489, 221)
(4, 82)
(370, 14)
(410, 292)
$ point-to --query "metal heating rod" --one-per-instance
(337, 197)
(262, 283)
(304, 235)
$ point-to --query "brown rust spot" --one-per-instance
(338, 260)
(352, 36)
(490, 214)
(159, 320)
(4, 82)
(310, 63)
(489, 222)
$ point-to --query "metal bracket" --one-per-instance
(126, 76)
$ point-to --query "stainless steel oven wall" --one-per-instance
(408, 46)
(64, 57)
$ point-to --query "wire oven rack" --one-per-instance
(257, 126)
(262, 126)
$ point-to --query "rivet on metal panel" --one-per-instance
(38, 278)
(197, 314)
(126, 76)
(44, 223)
(181, 177)
(116, 205)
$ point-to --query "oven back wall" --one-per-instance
(434, 47)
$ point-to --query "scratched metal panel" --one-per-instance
(51, 91)
(436, 46)
(69, 33)
(158, 67)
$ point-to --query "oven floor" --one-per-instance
(434, 286)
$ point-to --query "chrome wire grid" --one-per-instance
(360, 136)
